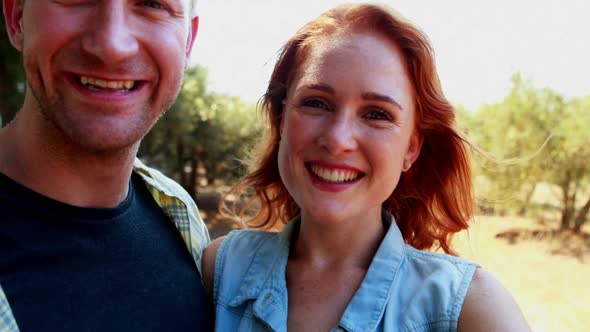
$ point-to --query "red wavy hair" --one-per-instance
(435, 198)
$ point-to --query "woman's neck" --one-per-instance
(328, 244)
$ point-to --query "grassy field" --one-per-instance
(549, 275)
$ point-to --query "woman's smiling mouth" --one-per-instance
(333, 174)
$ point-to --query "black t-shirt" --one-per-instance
(65, 268)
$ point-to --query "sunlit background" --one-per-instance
(519, 72)
(478, 44)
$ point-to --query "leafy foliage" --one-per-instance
(202, 131)
(539, 137)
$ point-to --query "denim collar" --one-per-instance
(365, 310)
(265, 281)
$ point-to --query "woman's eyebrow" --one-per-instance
(318, 86)
(382, 98)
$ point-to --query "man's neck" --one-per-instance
(62, 171)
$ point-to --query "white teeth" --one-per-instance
(335, 176)
(324, 173)
(115, 85)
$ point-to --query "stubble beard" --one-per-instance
(67, 130)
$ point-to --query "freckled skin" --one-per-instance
(338, 114)
(352, 66)
(329, 119)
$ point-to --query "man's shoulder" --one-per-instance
(7, 321)
(159, 181)
(179, 205)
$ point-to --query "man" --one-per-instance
(91, 239)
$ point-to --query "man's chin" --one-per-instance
(105, 146)
(101, 137)
(92, 131)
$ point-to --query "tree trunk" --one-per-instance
(581, 217)
(566, 212)
(527, 200)
(180, 162)
(192, 188)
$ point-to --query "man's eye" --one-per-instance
(315, 103)
(378, 115)
(153, 4)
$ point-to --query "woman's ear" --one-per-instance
(413, 150)
(13, 13)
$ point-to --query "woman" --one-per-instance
(362, 162)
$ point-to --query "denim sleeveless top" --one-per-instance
(404, 289)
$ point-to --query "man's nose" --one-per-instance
(111, 38)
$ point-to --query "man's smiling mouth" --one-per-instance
(95, 84)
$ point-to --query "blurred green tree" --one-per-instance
(513, 131)
(538, 136)
(12, 79)
(202, 131)
(569, 163)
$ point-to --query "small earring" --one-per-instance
(407, 165)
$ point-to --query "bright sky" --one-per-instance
(478, 44)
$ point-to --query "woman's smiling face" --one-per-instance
(347, 127)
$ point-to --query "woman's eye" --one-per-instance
(378, 115)
(315, 103)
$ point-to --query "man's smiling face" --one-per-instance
(102, 72)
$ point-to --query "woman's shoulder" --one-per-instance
(450, 271)
(241, 239)
(437, 259)
(489, 306)
(431, 287)
(243, 245)
(454, 293)
(420, 264)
